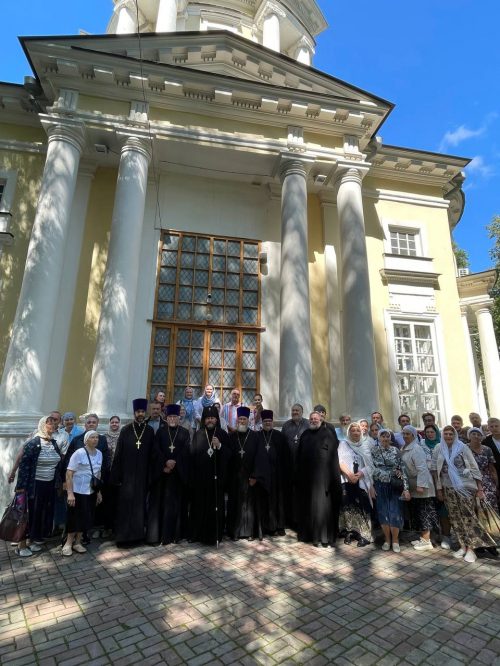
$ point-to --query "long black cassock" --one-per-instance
(244, 519)
(130, 474)
(317, 475)
(169, 493)
(276, 499)
(208, 468)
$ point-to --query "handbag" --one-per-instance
(95, 483)
(397, 483)
(14, 523)
(488, 518)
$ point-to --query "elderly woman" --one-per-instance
(188, 403)
(70, 425)
(84, 468)
(356, 478)
(373, 433)
(39, 470)
(483, 456)
(365, 426)
(458, 483)
(387, 465)
(421, 488)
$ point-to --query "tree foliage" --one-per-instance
(493, 229)
(461, 256)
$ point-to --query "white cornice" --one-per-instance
(23, 146)
(405, 197)
(410, 277)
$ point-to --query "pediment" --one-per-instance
(218, 52)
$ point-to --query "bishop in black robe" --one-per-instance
(130, 474)
(210, 455)
(248, 466)
(274, 500)
(317, 475)
(169, 490)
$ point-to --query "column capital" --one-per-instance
(268, 8)
(139, 143)
(348, 173)
(127, 4)
(61, 128)
(290, 163)
(483, 307)
(464, 310)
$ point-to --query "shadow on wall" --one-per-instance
(13, 257)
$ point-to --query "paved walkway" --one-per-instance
(278, 602)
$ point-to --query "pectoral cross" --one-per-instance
(138, 444)
(242, 453)
(171, 447)
(296, 439)
(210, 452)
(268, 446)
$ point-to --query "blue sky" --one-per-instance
(437, 60)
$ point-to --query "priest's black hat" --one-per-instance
(267, 414)
(209, 411)
(139, 403)
(173, 410)
(243, 411)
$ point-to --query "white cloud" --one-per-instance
(462, 133)
(478, 166)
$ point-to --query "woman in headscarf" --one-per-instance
(458, 483)
(387, 464)
(38, 472)
(483, 456)
(208, 399)
(422, 505)
(356, 477)
(70, 425)
(432, 437)
(188, 402)
(373, 432)
(106, 509)
(83, 468)
(112, 435)
(365, 427)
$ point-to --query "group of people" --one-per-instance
(202, 471)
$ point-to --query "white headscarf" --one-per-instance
(88, 434)
(42, 429)
(414, 432)
(449, 455)
(474, 430)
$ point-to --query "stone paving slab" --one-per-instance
(276, 602)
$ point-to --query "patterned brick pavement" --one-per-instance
(278, 602)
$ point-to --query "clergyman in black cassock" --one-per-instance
(248, 467)
(275, 500)
(210, 456)
(169, 491)
(130, 474)
(317, 475)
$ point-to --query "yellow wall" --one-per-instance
(318, 305)
(22, 133)
(85, 317)
(29, 167)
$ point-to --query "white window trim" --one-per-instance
(434, 321)
(10, 178)
(406, 226)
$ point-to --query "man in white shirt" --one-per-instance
(230, 410)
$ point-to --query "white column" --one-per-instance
(27, 362)
(108, 390)
(65, 301)
(358, 339)
(304, 55)
(330, 235)
(489, 355)
(166, 20)
(271, 32)
(470, 359)
(127, 17)
(295, 378)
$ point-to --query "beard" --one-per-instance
(242, 428)
(314, 426)
(210, 426)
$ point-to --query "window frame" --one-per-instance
(443, 390)
(406, 227)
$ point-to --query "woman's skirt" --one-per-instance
(423, 514)
(464, 521)
(355, 514)
(80, 517)
(41, 510)
(389, 509)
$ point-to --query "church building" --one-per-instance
(185, 199)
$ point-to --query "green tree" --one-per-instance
(493, 229)
(461, 256)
